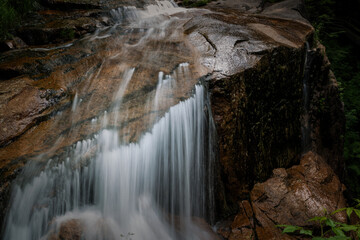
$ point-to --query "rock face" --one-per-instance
(252, 60)
(326, 111)
(56, 96)
(255, 111)
(291, 196)
(256, 85)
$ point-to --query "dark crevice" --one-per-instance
(6, 74)
(240, 41)
(210, 42)
(259, 53)
(66, 6)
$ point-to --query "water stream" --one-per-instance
(159, 187)
(305, 125)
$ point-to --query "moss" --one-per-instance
(67, 34)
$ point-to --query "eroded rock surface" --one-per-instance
(291, 196)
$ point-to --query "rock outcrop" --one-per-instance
(256, 93)
(326, 111)
(252, 60)
(291, 196)
(54, 96)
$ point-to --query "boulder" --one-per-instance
(256, 85)
(69, 230)
(291, 197)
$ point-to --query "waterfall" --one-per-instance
(106, 188)
(145, 188)
(305, 125)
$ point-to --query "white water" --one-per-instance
(132, 14)
(152, 189)
(149, 188)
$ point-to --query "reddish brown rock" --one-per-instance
(40, 85)
(69, 230)
(41, 88)
(290, 197)
(243, 224)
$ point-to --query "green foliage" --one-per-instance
(22, 7)
(8, 18)
(67, 34)
(329, 229)
(11, 13)
(334, 21)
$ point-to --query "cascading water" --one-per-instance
(305, 128)
(105, 188)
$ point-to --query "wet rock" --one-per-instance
(21, 112)
(54, 26)
(58, 94)
(253, 67)
(252, 63)
(291, 196)
(326, 111)
(52, 97)
(81, 228)
(250, 6)
(288, 9)
(61, 21)
(204, 230)
(15, 43)
(69, 230)
(243, 224)
(94, 4)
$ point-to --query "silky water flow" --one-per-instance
(104, 188)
